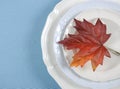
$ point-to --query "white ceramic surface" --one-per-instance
(53, 55)
(110, 65)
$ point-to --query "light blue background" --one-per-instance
(21, 64)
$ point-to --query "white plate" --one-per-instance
(55, 29)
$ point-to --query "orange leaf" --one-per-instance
(89, 39)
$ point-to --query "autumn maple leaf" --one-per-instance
(88, 40)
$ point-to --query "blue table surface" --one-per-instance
(21, 63)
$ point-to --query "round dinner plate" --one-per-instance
(59, 20)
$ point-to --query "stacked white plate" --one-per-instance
(60, 23)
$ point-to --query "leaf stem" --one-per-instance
(114, 52)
